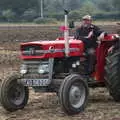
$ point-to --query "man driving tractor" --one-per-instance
(89, 34)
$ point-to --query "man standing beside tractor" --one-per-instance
(89, 34)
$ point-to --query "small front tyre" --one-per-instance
(73, 94)
(13, 95)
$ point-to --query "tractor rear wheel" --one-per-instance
(73, 94)
(113, 74)
(13, 95)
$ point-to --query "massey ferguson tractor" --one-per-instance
(59, 66)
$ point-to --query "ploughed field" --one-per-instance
(44, 106)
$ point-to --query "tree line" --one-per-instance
(30, 10)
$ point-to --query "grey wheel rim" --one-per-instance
(16, 94)
(77, 95)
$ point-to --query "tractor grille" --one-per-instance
(32, 71)
(32, 50)
(35, 76)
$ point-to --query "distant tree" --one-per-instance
(54, 7)
(74, 4)
(8, 14)
(29, 14)
(19, 6)
(74, 15)
(88, 8)
(105, 5)
(116, 4)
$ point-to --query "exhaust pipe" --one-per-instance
(66, 34)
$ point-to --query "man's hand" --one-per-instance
(89, 35)
(101, 37)
(110, 50)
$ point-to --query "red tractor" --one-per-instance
(59, 66)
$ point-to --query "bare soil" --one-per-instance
(45, 106)
(12, 35)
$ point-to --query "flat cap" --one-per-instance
(87, 17)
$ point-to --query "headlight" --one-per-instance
(42, 69)
(23, 69)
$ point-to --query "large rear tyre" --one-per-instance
(113, 74)
(73, 94)
(13, 95)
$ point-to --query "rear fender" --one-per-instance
(115, 46)
(111, 37)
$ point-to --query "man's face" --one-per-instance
(86, 22)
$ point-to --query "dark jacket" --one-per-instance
(82, 32)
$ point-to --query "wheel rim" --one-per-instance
(77, 95)
(16, 94)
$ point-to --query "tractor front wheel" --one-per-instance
(73, 94)
(13, 95)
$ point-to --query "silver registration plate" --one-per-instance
(35, 82)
